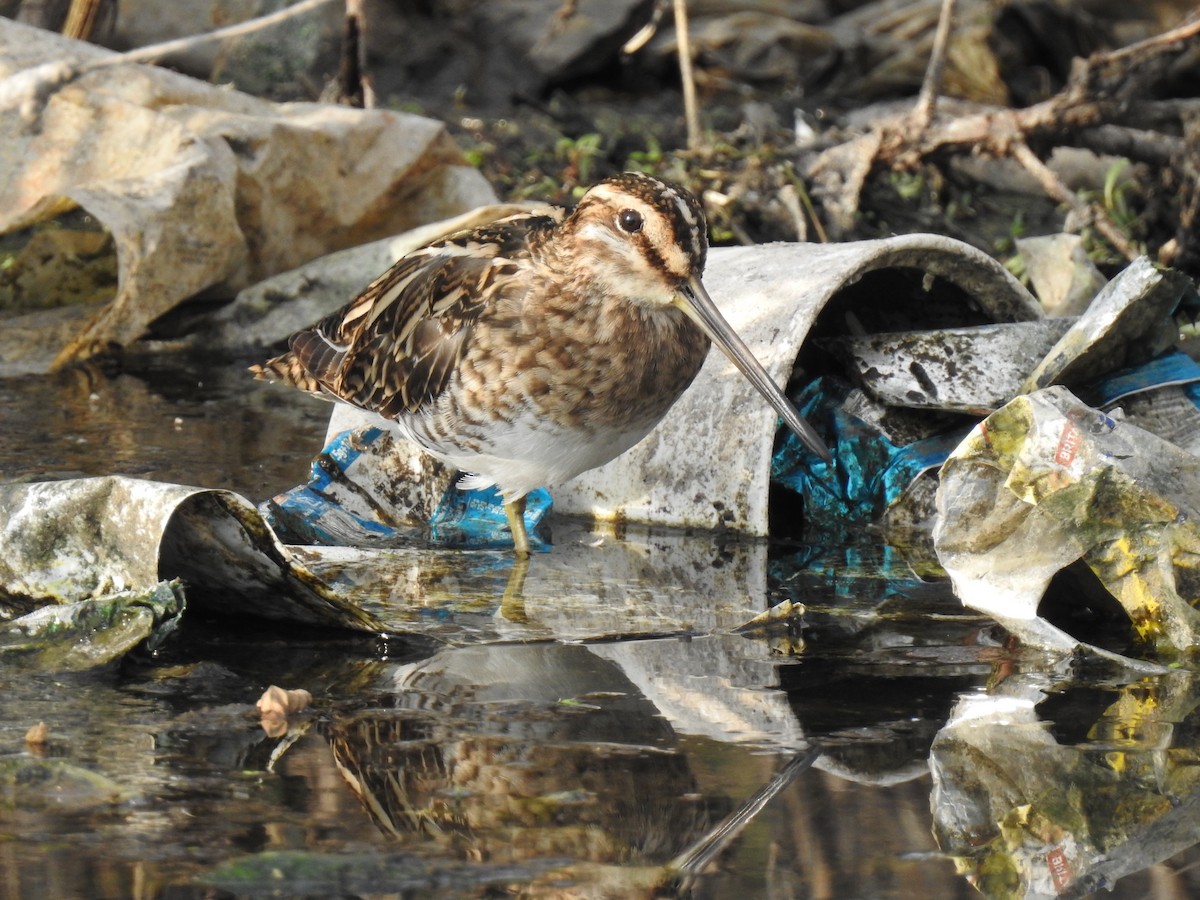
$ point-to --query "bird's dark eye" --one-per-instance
(630, 221)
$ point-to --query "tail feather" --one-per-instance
(286, 369)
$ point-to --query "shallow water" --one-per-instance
(529, 747)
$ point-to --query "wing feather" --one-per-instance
(394, 348)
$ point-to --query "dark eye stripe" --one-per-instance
(653, 257)
(683, 214)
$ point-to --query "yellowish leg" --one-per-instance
(512, 604)
(516, 524)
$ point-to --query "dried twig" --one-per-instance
(1095, 93)
(806, 199)
(1100, 90)
(684, 47)
(790, 198)
(178, 45)
(1056, 190)
(922, 113)
(81, 19)
(353, 84)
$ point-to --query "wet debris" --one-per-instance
(30, 783)
(999, 770)
(93, 632)
(1046, 481)
(108, 561)
(280, 702)
(276, 705)
(37, 737)
(780, 627)
(781, 614)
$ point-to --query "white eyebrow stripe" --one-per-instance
(684, 209)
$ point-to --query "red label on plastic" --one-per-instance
(1060, 868)
(1068, 444)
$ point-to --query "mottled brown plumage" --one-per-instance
(537, 347)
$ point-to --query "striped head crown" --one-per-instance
(646, 236)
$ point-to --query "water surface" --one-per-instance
(569, 750)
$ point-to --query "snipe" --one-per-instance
(536, 347)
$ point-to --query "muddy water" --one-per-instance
(189, 421)
(899, 746)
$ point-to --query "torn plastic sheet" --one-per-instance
(202, 189)
(1026, 815)
(1046, 481)
(977, 369)
(968, 370)
(1129, 322)
(67, 541)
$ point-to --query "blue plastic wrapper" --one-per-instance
(869, 472)
(477, 518)
(1175, 368)
(308, 514)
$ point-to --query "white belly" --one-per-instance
(526, 454)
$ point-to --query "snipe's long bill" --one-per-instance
(694, 300)
(536, 347)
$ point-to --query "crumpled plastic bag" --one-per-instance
(203, 189)
(1046, 481)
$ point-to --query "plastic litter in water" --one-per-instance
(310, 513)
(870, 472)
